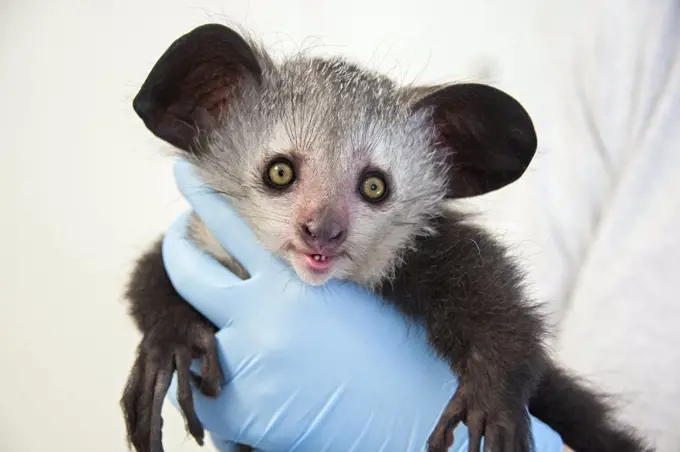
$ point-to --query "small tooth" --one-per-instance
(317, 257)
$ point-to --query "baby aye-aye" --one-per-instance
(344, 174)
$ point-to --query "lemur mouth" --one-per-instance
(319, 262)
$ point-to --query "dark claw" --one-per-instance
(147, 386)
(137, 402)
(161, 387)
(185, 396)
(131, 396)
(502, 431)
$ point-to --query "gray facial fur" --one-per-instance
(334, 120)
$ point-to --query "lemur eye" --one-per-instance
(373, 187)
(280, 174)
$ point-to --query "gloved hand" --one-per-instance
(307, 368)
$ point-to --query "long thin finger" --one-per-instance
(452, 415)
(184, 396)
(511, 444)
(131, 397)
(475, 427)
(211, 370)
(492, 441)
(449, 438)
(229, 228)
(521, 440)
(159, 392)
(455, 409)
(141, 437)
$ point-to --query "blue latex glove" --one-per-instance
(308, 368)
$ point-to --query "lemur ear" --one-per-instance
(488, 136)
(189, 88)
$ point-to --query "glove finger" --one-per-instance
(197, 277)
(219, 216)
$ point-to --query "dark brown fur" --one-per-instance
(492, 321)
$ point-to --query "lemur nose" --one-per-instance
(324, 234)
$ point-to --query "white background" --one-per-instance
(85, 187)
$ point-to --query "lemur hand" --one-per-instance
(310, 368)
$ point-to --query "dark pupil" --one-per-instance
(281, 172)
(374, 186)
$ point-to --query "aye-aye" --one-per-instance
(344, 174)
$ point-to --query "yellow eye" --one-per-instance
(373, 188)
(280, 174)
